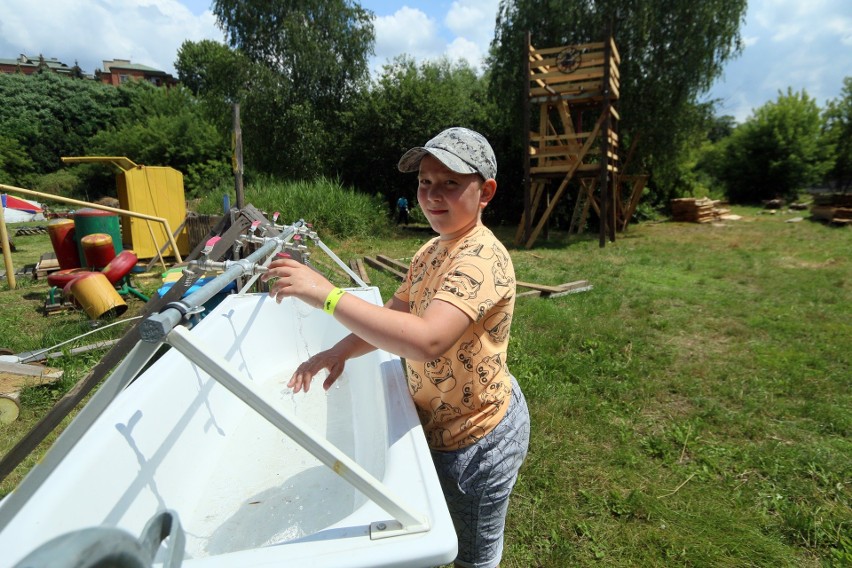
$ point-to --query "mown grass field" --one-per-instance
(693, 409)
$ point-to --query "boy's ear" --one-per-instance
(489, 188)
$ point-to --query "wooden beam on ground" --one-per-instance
(26, 370)
(357, 266)
(384, 267)
(399, 265)
(539, 287)
(12, 372)
(543, 291)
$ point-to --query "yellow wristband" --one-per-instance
(331, 300)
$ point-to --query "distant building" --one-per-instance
(28, 65)
(115, 72)
(118, 71)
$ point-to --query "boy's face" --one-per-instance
(451, 201)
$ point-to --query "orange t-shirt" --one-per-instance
(461, 396)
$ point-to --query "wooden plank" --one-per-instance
(382, 266)
(563, 290)
(616, 56)
(565, 90)
(393, 262)
(588, 47)
(547, 70)
(560, 138)
(554, 78)
(568, 167)
(25, 370)
(539, 287)
(357, 266)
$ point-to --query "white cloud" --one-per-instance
(805, 47)
(473, 20)
(409, 31)
(464, 49)
(464, 33)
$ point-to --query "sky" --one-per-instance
(799, 44)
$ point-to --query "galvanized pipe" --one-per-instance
(155, 328)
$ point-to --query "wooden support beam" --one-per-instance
(564, 184)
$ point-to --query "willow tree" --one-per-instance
(314, 58)
(671, 53)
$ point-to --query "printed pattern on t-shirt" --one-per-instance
(462, 395)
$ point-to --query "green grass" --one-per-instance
(693, 409)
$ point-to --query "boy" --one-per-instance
(450, 321)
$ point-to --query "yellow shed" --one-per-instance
(152, 190)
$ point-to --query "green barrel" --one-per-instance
(90, 221)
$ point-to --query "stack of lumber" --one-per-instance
(696, 210)
(47, 263)
(833, 208)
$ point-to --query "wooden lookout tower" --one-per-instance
(575, 88)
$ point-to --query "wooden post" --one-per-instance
(7, 250)
(528, 213)
(238, 158)
(604, 134)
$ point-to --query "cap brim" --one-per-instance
(410, 161)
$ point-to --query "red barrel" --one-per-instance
(98, 250)
(62, 277)
(61, 233)
(120, 266)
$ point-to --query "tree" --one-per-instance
(51, 116)
(15, 166)
(838, 133)
(217, 75)
(778, 151)
(721, 127)
(407, 105)
(320, 47)
(309, 59)
(671, 52)
(166, 127)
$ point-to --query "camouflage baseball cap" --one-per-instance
(460, 149)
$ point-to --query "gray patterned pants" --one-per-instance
(478, 480)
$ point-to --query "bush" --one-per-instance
(332, 209)
(200, 178)
(64, 183)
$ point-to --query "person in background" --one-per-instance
(402, 210)
(450, 320)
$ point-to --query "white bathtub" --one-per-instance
(244, 492)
